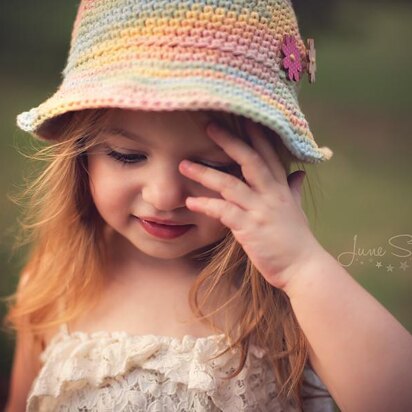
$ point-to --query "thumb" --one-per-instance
(295, 181)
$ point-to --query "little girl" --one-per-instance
(172, 266)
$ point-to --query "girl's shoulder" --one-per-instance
(44, 337)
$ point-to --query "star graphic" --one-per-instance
(378, 264)
(404, 265)
(389, 268)
(361, 262)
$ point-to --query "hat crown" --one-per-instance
(240, 56)
(251, 29)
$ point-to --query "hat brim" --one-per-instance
(276, 107)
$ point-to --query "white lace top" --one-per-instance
(115, 371)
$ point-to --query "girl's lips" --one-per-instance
(164, 231)
(161, 221)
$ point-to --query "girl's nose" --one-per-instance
(166, 190)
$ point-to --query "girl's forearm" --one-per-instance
(359, 350)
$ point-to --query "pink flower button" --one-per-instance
(292, 60)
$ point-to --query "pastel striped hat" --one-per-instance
(227, 55)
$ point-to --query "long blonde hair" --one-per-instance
(68, 252)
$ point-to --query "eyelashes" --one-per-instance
(127, 159)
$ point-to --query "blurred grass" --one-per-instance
(359, 107)
(366, 60)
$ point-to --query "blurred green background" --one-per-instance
(359, 107)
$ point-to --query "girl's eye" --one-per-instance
(128, 159)
(125, 158)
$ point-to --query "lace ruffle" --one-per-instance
(118, 371)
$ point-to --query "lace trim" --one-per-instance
(151, 372)
(105, 353)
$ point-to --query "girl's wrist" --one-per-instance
(303, 274)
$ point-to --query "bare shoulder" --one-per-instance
(26, 363)
(26, 366)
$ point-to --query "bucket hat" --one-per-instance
(241, 56)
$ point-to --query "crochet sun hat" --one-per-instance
(241, 56)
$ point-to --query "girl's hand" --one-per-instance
(264, 213)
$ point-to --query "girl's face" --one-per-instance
(133, 172)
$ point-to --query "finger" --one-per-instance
(266, 150)
(254, 169)
(230, 187)
(228, 213)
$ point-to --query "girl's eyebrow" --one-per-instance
(125, 133)
(118, 131)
